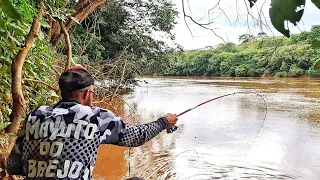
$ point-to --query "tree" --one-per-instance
(246, 38)
(132, 26)
(262, 35)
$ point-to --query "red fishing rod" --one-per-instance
(174, 128)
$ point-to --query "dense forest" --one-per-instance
(255, 56)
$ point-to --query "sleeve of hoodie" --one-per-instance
(113, 130)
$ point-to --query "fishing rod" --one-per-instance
(174, 128)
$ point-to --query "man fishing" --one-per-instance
(61, 141)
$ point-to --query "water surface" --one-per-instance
(219, 140)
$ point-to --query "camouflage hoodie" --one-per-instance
(61, 141)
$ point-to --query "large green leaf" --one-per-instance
(9, 9)
(286, 10)
(316, 2)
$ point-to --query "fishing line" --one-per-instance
(230, 94)
(266, 108)
(190, 109)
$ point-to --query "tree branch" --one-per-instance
(41, 82)
(56, 71)
(203, 25)
(68, 45)
(121, 79)
(83, 9)
(85, 43)
(17, 64)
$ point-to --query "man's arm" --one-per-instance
(114, 130)
(138, 135)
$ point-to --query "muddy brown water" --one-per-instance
(219, 140)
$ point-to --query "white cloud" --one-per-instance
(231, 22)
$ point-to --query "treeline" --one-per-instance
(256, 56)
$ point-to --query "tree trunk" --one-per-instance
(18, 110)
(17, 64)
(54, 30)
(83, 9)
(16, 70)
(68, 45)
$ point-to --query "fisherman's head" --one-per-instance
(77, 84)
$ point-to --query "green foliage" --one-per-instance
(241, 71)
(7, 7)
(316, 43)
(317, 65)
(314, 73)
(15, 23)
(247, 38)
(276, 56)
(129, 27)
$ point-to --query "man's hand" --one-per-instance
(172, 119)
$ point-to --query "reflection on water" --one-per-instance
(221, 136)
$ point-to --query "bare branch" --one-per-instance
(41, 82)
(224, 14)
(214, 6)
(121, 79)
(68, 45)
(185, 21)
(189, 7)
(203, 25)
(86, 44)
(56, 71)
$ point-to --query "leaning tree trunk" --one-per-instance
(82, 9)
(17, 64)
(18, 110)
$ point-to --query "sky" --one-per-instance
(230, 21)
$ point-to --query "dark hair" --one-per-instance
(66, 95)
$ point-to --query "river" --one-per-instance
(220, 140)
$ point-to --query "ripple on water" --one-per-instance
(187, 168)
